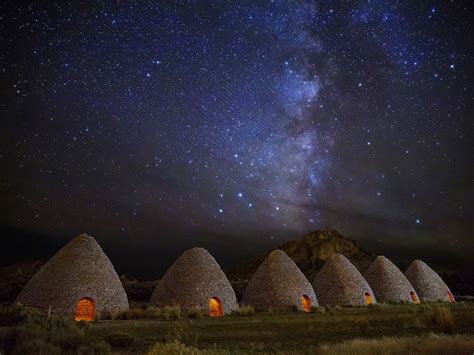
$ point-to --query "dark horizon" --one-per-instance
(152, 262)
(158, 127)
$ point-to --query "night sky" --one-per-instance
(238, 125)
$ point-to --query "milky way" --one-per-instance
(157, 124)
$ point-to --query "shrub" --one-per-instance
(195, 312)
(65, 333)
(132, 313)
(70, 342)
(16, 314)
(136, 313)
(153, 312)
(171, 313)
(165, 313)
(122, 315)
(244, 311)
(53, 336)
(443, 319)
(173, 347)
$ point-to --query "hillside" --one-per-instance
(309, 253)
(14, 277)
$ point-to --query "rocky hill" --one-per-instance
(309, 253)
(14, 277)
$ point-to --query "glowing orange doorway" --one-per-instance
(413, 297)
(215, 307)
(451, 297)
(368, 298)
(306, 301)
(85, 309)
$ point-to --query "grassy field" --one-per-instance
(326, 331)
(292, 331)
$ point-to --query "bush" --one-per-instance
(195, 312)
(166, 313)
(16, 314)
(171, 313)
(244, 311)
(136, 313)
(53, 336)
(153, 313)
(443, 319)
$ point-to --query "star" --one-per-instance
(186, 111)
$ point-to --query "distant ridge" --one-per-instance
(311, 251)
(310, 254)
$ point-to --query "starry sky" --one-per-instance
(238, 125)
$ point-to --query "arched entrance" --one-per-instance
(368, 298)
(413, 297)
(451, 297)
(215, 307)
(306, 302)
(85, 309)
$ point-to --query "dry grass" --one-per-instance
(165, 313)
(244, 311)
(318, 310)
(290, 332)
(195, 312)
(428, 344)
(276, 333)
(443, 318)
(175, 347)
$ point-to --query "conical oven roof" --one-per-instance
(340, 283)
(193, 280)
(279, 284)
(427, 283)
(388, 282)
(79, 270)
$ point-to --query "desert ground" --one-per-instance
(400, 329)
